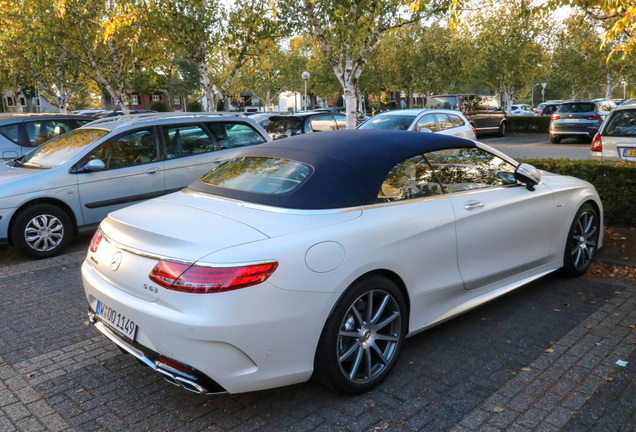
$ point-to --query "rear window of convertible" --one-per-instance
(259, 175)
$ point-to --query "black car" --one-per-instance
(283, 126)
(19, 133)
(482, 111)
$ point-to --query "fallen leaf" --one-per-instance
(588, 327)
(549, 350)
(497, 409)
(526, 369)
(606, 378)
(552, 343)
(79, 390)
(30, 374)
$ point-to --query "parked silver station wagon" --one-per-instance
(69, 184)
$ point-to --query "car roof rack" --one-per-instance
(132, 119)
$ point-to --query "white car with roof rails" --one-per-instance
(71, 183)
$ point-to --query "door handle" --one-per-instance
(471, 205)
(152, 171)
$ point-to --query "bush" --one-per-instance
(614, 181)
(159, 106)
(529, 124)
(195, 106)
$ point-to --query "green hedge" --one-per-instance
(614, 181)
(529, 124)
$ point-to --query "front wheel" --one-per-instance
(41, 231)
(502, 129)
(363, 336)
(582, 241)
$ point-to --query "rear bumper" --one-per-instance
(193, 380)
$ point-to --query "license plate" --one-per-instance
(116, 320)
(629, 153)
(571, 120)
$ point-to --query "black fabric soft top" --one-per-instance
(349, 166)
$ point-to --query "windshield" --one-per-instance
(60, 150)
(388, 121)
(259, 175)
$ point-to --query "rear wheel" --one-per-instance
(555, 139)
(363, 336)
(582, 241)
(41, 231)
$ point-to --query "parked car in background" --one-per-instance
(445, 122)
(19, 133)
(262, 118)
(578, 119)
(360, 116)
(72, 182)
(317, 255)
(549, 109)
(616, 139)
(522, 110)
(283, 126)
(541, 106)
(483, 112)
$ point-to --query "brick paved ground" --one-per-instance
(540, 358)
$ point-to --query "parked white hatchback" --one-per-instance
(445, 122)
(318, 254)
(69, 184)
(616, 139)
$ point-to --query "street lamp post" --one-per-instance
(305, 77)
(624, 89)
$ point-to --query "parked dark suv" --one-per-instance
(483, 112)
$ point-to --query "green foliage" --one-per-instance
(614, 181)
(195, 106)
(159, 106)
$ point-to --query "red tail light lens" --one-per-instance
(592, 117)
(97, 238)
(204, 280)
(555, 117)
(597, 143)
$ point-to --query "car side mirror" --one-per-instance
(425, 130)
(528, 175)
(94, 165)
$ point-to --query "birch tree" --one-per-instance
(348, 31)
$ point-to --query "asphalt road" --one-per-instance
(537, 146)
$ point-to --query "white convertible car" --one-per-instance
(319, 254)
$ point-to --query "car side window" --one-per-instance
(11, 132)
(621, 123)
(444, 122)
(341, 120)
(132, 148)
(322, 123)
(457, 121)
(410, 179)
(239, 135)
(187, 140)
(427, 121)
(463, 169)
(42, 131)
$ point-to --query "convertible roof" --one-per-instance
(349, 166)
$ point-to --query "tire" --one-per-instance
(582, 241)
(555, 139)
(359, 347)
(502, 129)
(41, 231)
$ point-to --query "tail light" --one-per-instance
(474, 130)
(555, 117)
(97, 238)
(592, 117)
(597, 143)
(203, 280)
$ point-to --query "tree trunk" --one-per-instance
(204, 77)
